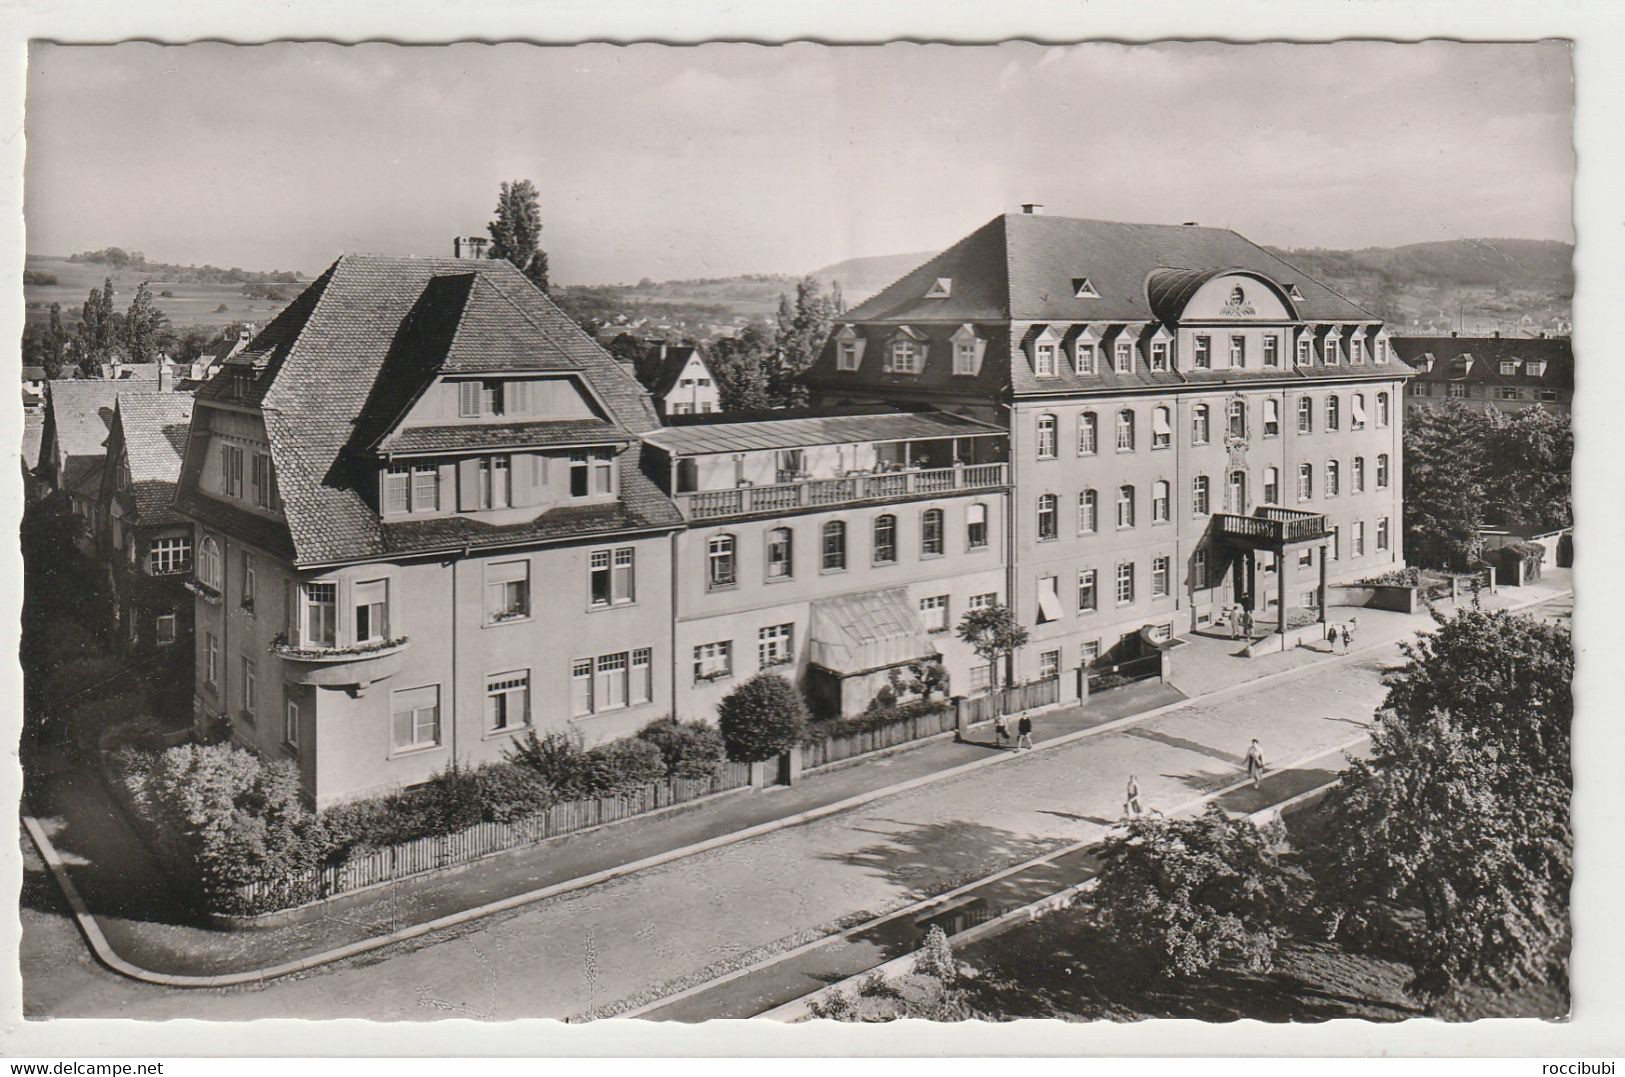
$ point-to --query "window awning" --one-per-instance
(1049, 603)
(873, 630)
(1159, 422)
(1359, 408)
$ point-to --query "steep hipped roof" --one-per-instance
(338, 367)
(154, 427)
(1025, 267)
(1488, 353)
(33, 433)
(79, 414)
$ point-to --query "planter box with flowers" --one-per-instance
(353, 668)
(203, 591)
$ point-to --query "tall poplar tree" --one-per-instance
(517, 231)
(141, 324)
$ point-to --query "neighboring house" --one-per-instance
(422, 529)
(835, 550)
(73, 445)
(677, 378)
(33, 435)
(191, 375)
(1508, 373)
(33, 388)
(147, 544)
(1194, 423)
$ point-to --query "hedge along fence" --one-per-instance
(834, 742)
(405, 859)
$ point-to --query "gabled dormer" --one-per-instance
(849, 345)
(1083, 348)
(1123, 348)
(969, 348)
(1382, 347)
(1331, 345)
(1159, 349)
(1084, 288)
(1044, 346)
(941, 288)
(906, 351)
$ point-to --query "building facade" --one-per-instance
(1496, 372)
(1195, 426)
(680, 382)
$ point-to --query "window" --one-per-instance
(835, 546)
(1507, 392)
(1200, 426)
(371, 611)
(590, 473)
(211, 660)
(495, 488)
(1332, 471)
(780, 547)
(964, 357)
(1272, 350)
(905, 356)
(773, 646)
(1202, 353)
(1357, 411)
(1272, 486)
(1199, 580)
(208, 567)
(1044, 361)
(1162, 431)
(1049, 665)
(1337, 543)
(1159, 502)
(1088, 513)
(1084, 358)
(1159, 355)
(1046, 437)
(1125, 583)
(1536, 368)
(1329, 351)
(1306, 481)
(931, 524)
(1303, 351)
(1357, 476)
(468, 400)
(507, 587)
(1333, 413)
(1125, 357)
(167, 556)
(1382, 350)
(1382, 409)
(415, 717)
(425, 487)
(1382, 533)
(976, 527)
(1048, 511)
(981, 676)
(1236, 416)
(398, 487)
(290, 724)
(1382, 471)
(1049, 599)
(885, 536)
(1125, 430)
(1548, 395)
(1090, 652)
(1159, 577)
(983, 602)
(720, 562)
(847, 356)
(165, 629)
(1272, 417)
(1359, 538)
(934, 612)
(1125, 506)
(321, 603)
(1458, 390)
(1306, 415)
(1238, 351)
(231, 471)
(1088, 590)
(713, 661)
(1306, 559)
(1201, 496)
(250, 687)
(507, 700)
(261, 480)
(1357, 350)
(640, 683)
(491, 398)
(1088, 434)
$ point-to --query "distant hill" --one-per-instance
(861, 278)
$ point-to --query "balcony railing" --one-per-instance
(352, 668)
(848, 489)
(1272, 527)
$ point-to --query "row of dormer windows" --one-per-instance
(1237, 418)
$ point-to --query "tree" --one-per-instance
(1462, 808)
(802, 329)
(993, 634)
(1527, 464)
(737, 364)
(55, 348)
(142, 323)
(517, 231)
(1177, 897)
(762, 718)
(1444, 497)
(97, 330)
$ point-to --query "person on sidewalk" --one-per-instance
(1131, 802)
(1001, 732)
(1348, 639)
(1247, 625)
(1235, 623)
(1255, 762)
(1024, 729)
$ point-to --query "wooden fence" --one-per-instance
(834, 749)
(483, 839)
(1009, 700)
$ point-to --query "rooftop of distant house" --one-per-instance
(1495, 360)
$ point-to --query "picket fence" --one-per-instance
(1010, 700)
(438, 851)
(834, 749)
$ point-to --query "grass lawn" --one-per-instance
(191, 304)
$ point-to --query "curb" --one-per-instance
(797, 1009)
(104, 952)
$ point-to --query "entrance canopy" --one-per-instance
(862, 632)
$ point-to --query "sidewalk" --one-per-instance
(132, 905)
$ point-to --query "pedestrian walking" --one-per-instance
(1131, 801)
(1024, 729)
(1001, 732)
(1247, 624)
(1255, 762)
(1235, 624)
(1348, 639)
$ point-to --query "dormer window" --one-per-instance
(1357, 351)
(1202, 353)
(1382, 349)
(1044, 359)
(1159, 355)
(1292, 292)
(1509, 366)
(242, 381)
(1124, 357)
(1084, 358)
(1304, 355)
(943, 288)
(968, 349)
(1329, 351)
(1083, 288)
(1537, 368)
(848, 348)
(590, 472)
(848, 359)
(479, 398)
(905, 357)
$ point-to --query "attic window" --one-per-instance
(241, 381)
(1083, 288)
(1292, 292)
(941, 289)
(1509, 366)
(1537, 367)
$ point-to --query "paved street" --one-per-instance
(709, 913)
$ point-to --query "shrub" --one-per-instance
(762, 718)
(619, 766)
(510, 791)
(936, 958)
(872, 719)
(690, 749)
(554, 756)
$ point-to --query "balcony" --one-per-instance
(851, 489)
(1271, 528)
(351, 668)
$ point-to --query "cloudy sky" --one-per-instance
(723, 159)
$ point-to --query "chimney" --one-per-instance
(244, 333)
(1453, 332)
(1033, 209)
(1497, 334)
(469, 246)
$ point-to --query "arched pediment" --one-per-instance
(1218, 295)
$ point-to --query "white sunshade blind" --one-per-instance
(1049, 602)
(1272, 410)
(1159, 422)
(1359, 408)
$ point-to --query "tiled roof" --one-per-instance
(832, 430)
(466, 436)
(340, 364)
(154, 427)
(82, 410)
(33, 373)
(1488, 353)
(663, 379)
(33, 433)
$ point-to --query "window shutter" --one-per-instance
(979, 349)
(925, 353)
(517, 398)
(468, 484)
(468, 399)
(525, 471)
